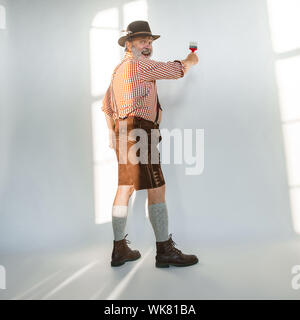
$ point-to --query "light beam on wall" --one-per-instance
(105, 54)
(135, 10)
(285, 26)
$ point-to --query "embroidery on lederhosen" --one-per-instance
(156, 174)
(155, 166)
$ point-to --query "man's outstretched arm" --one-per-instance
(150, 70)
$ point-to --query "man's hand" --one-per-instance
(193, 58)
(190, 60)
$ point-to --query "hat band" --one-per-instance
(139, 32)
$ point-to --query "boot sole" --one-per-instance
(166, 265)
(117, 264)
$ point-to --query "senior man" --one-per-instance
(131, 103)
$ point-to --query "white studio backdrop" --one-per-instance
(47, 167)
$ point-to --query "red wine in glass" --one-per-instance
(193, 46)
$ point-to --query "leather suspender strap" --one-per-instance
(157, 107)
(114, 101)
(113, 96)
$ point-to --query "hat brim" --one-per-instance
(123, 39)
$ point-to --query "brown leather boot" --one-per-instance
(167, 254)
(122, 253)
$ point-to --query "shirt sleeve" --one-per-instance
(106, 103)
(150, 70)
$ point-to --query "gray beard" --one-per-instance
(138, 53)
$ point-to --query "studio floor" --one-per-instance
(241, 270)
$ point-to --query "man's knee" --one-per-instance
(158, 189)
(126, 189)
(157, 192)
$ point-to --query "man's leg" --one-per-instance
(158, 213)
(166, 253)
(121, 252)
(120, 210)
(156, 195)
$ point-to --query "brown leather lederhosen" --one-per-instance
(142, 175)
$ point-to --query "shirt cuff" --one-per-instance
(182, 67)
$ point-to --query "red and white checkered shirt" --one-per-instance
(134, 86)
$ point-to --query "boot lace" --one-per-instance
(172, 244)
(127, 241)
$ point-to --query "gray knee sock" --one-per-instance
(119, 218)
(158, 216)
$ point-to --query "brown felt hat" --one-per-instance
(136, 28)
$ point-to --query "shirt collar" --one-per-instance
(128, 55)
